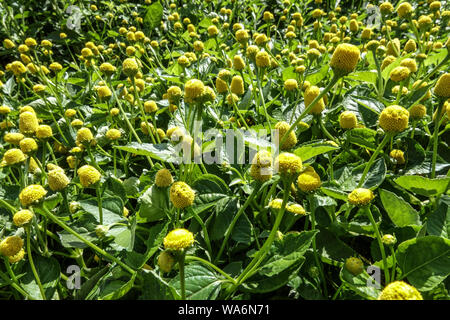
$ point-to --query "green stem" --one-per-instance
(316, 256)
(33, 268)
(435, 139)
(380, 243)
(233, 222)
(212, 266)
(333, 81)
(100, 205)
(56, 220)
(386, 138)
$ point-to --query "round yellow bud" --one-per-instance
(31, 195)
(163, 178)
(88, 176)
(178, 239)
(399, 290)
(181, 195)
(394, 119)
(22, 217)
(360, 196)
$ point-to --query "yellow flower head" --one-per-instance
(442, 87)
(418, 111)
(163, 178)
(12, 156)
(394, 119)
(178, 239)
(13, 137)
(386, 8)
(288, 164)
(347, 120)
(238, 63)
(291, 84)
(261, 168)
(354, 265)
(44, 131)
(398, 156)
(411, 64)
(104, 92)
(404, 10)
(399, 290)
(28, 145)
(38, 88)
(237, 85)
(10, 246)
(345, 58)
(387, 61)
(283, 127)
(18, 68)
(84, 135)
(310, 94)
(262, 59)
(242, 36)
(360, 196)
(193, 90)
(296, 209)
(388, 239)
(88, 175)
(399, 73)
(181, 195)
(17, 257)
(107, 68)
(174, 94)
(130, 67)
(113, 134)
(5, 109)
(166, 261)
(31, 195)
(8, 44)
(22, 217)
(57, 179)
(308, 180)
(28, 122)
(276, 203)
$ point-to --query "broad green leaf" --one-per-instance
(424, 261)
(162, 152)
(317, 75)
(201, 283)
(366, 109)
(400, 212)
(438, 223)
(363, 137)
(286, 252)
(375, 175)
(154, 287)
(242, 231)
(332, 249)
(310, 150)
(365, 76)
(49, 272)
(154, 15)
(155, 239)
(153, 204)
(263, 284)
(424, 186)
(115, 284)
(112, 209)
(363, 284)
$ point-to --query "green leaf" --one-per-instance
(112, 209)
(317, 75)
(154, 15)
(49, 273)
(263, 284)
(115, 284)
(162, 152)
(424, 261)
(155, 238)
(365, 76)
(363, 137)
(286, 252)
(310, 150)
(375, 176)
(242, 231)
(153, 204)
(367, 109)
(400, 211)
(423, 186)
(438, 223)
(359, 284)
(154, 287)
(200, 282)
(332, 249)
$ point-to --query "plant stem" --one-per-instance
(435, 139)
(56, 220)
(33, 268)
(380, 243)
(233, 222)
(386, 138)
(212, 266)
